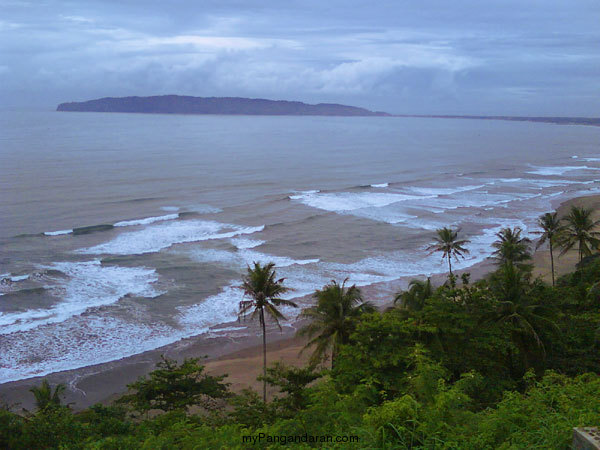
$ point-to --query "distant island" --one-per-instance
(178, 104)
(181, 104)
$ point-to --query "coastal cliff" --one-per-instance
(176, 104)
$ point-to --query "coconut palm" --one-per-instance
(265, 291)
(528, 321)
(414, 298)
(551, 230)
(45, 396)
(512, 248)
(447, 243)
(331, 319)
(579, 229)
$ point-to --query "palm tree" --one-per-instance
(527, 320)
(551, 230)
(331, 319)
(414, 298)
(511, 248)
(579, 230)
(45, 396)
(264, 291)
(446, 242)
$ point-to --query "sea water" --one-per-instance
(121, 233)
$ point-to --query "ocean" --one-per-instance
(121, 233)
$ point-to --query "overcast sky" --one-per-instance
(523, 57)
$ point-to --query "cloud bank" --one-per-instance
(462, 57)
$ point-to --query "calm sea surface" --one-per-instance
(179, 205)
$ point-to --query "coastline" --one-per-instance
(239, 357)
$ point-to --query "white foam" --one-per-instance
(146, 221)
(204, 209)
(591, 159)
(574, 156)
(444, 191)
(380, 185)
(89, 285)
(310, 191)
(507, 180)
(553, 183)
(157, 237)
(19, 278)
(77, 343)
(558, 170)
(243, 243)
(218, 308)
(57, 233)
(472, 200)
(350, 201)
(387, 215)
(244, 257)
(226, 329)
(170, 208)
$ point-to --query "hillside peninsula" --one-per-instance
(178, 104)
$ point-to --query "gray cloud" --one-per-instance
(496, 57)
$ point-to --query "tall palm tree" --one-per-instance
(414, 298)
(447, 243)
(45, 396)
(512, 248)
(551, 230)
(579, 229)
(264, 290)
(331, 319)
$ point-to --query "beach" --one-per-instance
(240, 358)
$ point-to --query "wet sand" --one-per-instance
(241, 357)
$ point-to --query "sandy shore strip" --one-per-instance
(238, 357)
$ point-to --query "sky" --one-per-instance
(525, 57)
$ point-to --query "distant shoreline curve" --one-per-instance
(589, 121)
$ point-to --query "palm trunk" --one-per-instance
(333, 354)
(450, 265)
(262, 321)
(552, 262)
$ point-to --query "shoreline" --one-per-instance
(239, 357)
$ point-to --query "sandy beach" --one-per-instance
(240, 358)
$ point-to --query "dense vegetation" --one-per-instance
(505, 362)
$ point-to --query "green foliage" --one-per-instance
(447, 243)
(512, 249)
(45, 396)
(416, 295)
(474, 366)
(580, 230)
(543, 417)
(332, 319)
(264, 290)
(251, 411)
(11, 428)
(51, 427)
(292, 382)
(103, 421)
(175, 386)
